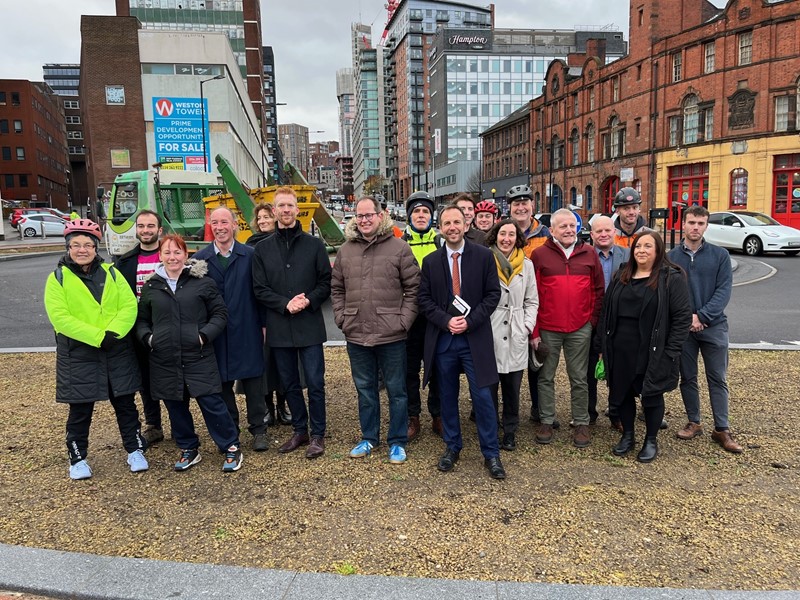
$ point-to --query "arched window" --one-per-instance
(573, 196)
(590, 142)
(574, 138)
(556, 198)
(738, 188)
(587, 197)
(616, 138)
(556, 153)
(537, 200)
(691, 120)
(538, 156)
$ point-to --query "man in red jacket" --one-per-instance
(571, 286)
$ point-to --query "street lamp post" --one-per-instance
(203, 118)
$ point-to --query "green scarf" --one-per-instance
(507, 268)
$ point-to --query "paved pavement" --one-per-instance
(56, 574)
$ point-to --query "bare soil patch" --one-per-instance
(696, 517)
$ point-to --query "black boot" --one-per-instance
(270, 411)
(626, 443)
(649, 451)
(284, 416)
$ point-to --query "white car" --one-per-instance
(31, 225)
(751, 232)
(345, 219)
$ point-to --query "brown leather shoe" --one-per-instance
(581, 437)
(725, 439)
(690, 431)
(316, 448)
(294, 442)
(413, 428)
(437, 426)
(544, 435)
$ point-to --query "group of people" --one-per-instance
(491, 298)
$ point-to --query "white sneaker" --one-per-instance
(137, 461)
(80, 470)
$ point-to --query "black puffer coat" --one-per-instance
(175, 321)
(671, 328)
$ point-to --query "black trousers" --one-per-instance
(594, 356)
(151, 407)
(80, 420)
(415, 353)
(509, 386)
(254, 400)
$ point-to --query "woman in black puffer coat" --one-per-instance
(180, 313)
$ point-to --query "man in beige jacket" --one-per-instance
(374, 294)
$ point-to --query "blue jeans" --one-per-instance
(218, 421)
(452, 355)
(313, 361)
(712, 343)
(364, 364)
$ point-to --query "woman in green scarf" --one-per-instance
(512, 321)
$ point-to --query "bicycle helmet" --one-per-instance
(519, 192)
(83, 227)
(485, 206)
(627, 196)
(418, 199)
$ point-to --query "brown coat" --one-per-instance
(374, 287)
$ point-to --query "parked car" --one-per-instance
(752, 233)
(17, 213)
(401, 213)
(345, 219)
(31, 225)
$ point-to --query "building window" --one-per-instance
(738, 188)
(590, 143)
(2, 98)
(575, 109)
(72, 120)
(20, 153)
(691, 120)
(573, 196)
(538, 156)
(9, 181)
(557, 152)
(677, 67)
(573, 142)
(638, 72)
(23, 181)
(71, 104)
(17, 126)
(15, 99)
(3, 125)
(615, 142)
(745, 48)
(674, 131)
(615, 89)
(591, 98)
(6, 152)
(587, 197)
(707, 117)
(709, 54)
(786, 111)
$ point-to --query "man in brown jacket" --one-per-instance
(374, 294)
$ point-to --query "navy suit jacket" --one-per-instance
(480, 288)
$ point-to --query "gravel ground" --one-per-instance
(696, 517)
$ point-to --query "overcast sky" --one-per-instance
(311, 40)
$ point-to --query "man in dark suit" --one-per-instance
(462, 271)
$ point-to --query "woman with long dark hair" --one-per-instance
(645, 321)
(512, 321)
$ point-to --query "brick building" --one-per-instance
(702, 110)
(33, 144)
(506, 154)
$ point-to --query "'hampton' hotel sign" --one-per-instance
(469, 40)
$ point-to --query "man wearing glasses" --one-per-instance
(374, 295)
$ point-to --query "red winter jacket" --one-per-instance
(570, 291)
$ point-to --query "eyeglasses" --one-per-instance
(81, 246)
(366, 217)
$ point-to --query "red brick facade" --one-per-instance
(698, 85)
(33, 144)
(110, 59)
